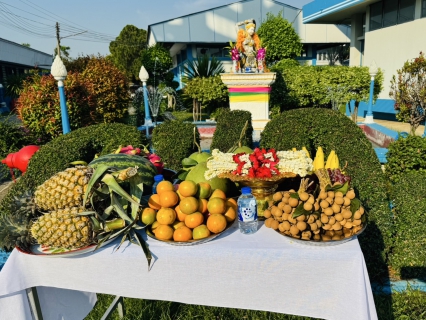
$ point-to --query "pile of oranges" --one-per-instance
(193, 211)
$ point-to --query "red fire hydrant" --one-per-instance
(20, 159)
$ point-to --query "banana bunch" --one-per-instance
(319, 159)
(332, 161)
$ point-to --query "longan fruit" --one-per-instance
(275, 224)
(267, 213)
(268, 222)
(294, 230)
(279, 219)
(280, 227)
(311, 199)
(292, 191)
(339, 200)
(307, 206)
(361, 210)
(324, 218)
(330, 194)
(348, 224)
(311, 219)
(304, 196)
(330, 200)
(313, 226)
(338, 194)
(286, 225)
(284, 200)
(286, 194)
(281, 205)
(316, 231)
(347, 214)
(277, 196)
(324, 204)
(347, 201)
(324, 237)
(274, 210)
(285, 216)
(331, 220)
(301, 225)
(339, 232)
(293, 202)
(322, 195)
(301, 218)
(343, 222)
(316, 206)
(291, 219)
(330, 233)
(356, 229)
(356, 222)
(319, 223)
(336, 226)
(326, 226)
(278, 212)
(336, 208)
(317, 237)
(357, 215)
(287, 208)
(337, 216)
(350, 194)
(336, 237)
(328, 211)
(306, 235)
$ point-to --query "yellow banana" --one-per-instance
(307, 152)
(293, 149)
(336, 162)
(330, 160)
(319, 159)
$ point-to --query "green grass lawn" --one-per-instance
(410, 304)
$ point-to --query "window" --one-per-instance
(376, 16)
(406, 10)
(424, 8)
(390, 13)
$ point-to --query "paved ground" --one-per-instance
(397, 126)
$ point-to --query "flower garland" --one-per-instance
(260, 164)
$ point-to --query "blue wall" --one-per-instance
(382, 109)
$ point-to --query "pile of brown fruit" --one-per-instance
(330, 215)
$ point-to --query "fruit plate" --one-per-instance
(318, 243)
(44, 251)
(190, 242)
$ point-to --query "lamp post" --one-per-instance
(59, 72)
(373, 72)
(144, 76)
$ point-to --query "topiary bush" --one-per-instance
(313, 127)
(408, 256)
(230, 124)
(405, 154)
(173, 140)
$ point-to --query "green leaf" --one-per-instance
(145, 248)
(188, 162)
(136, 191)
(294, 195)
(355, 204)
(100, 170)
(182, 175)
(119, 208)
(338, 187)
(299, 211)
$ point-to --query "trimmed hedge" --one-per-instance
(81, 144)
(313, 127)
(173, 140)
(408, 257)
(405, 155)
(228, 129)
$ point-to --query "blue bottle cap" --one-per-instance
(245, 190)
(158, 177)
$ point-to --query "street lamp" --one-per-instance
(144, 76)
(59, 72)
(373, 72)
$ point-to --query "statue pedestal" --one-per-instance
(250, 92)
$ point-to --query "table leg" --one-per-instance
(117, 303)
(34, 303)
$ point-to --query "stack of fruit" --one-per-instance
(331, 212)
(192, 212)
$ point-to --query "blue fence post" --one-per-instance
(144, 76)
(59, 72)
(369, 116)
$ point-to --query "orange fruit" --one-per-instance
(182, 234)
(202, 205)
(154, 226)
(231, 202)
(200, 232)
(204, 190)
(148, 216)
(164, 232)
(193, 220)
(179, 214)
(180, 195)
(216, 223)
(216, 205)
(168, 199)
(230, 214)
(154, 202)
(217, 193)
(166, 216)
(164, 185)
(188, 205)
(188, 188)
(177, 224)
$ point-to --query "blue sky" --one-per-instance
(33, 21)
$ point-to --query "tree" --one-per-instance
(26, 45)
(203, 67)
(408, 89)
(127, 49)
(279, 38)
(157, 61)
(64, 52)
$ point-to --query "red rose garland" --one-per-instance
(262, 163)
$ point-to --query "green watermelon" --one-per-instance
(122, 161)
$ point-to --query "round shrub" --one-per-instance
(229, 127)
(405, 154)
(408, 256)
(314, 127)
(173, 140)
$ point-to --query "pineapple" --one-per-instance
(64, 190)
(63, 228)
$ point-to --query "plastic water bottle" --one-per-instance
(157, 179)
(247, 212)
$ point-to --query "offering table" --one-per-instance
(264, 271)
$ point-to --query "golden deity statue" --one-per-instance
(248, 43)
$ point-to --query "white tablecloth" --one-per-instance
(265, 271)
